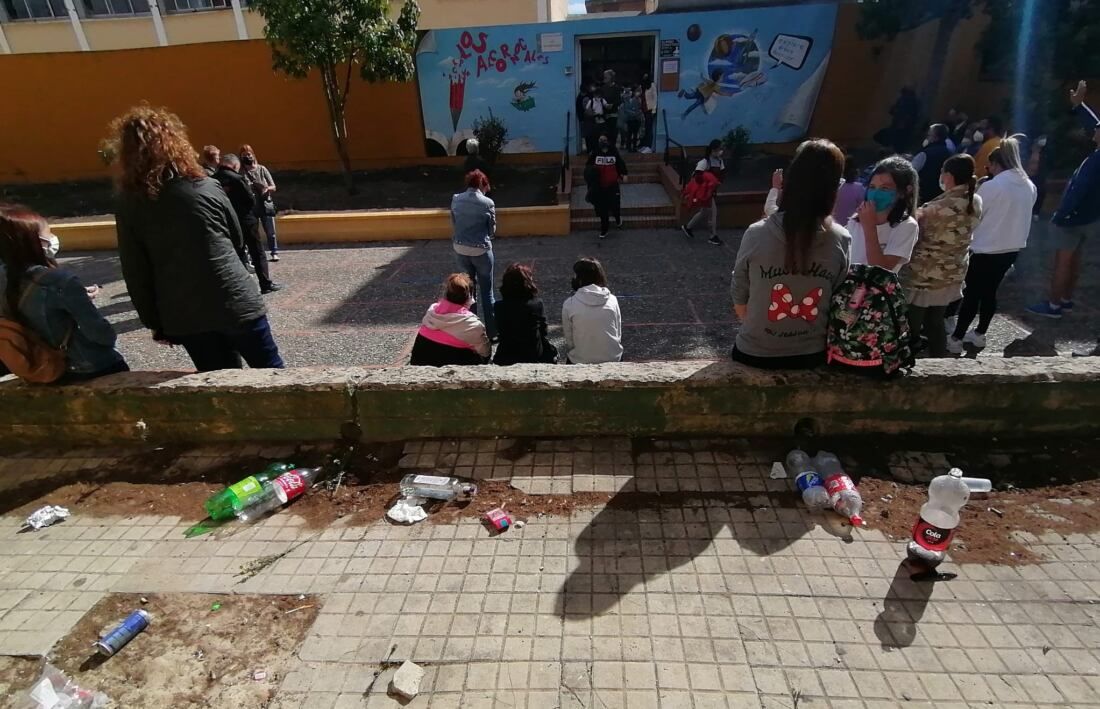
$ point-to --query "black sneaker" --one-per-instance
(271, 288)
(603, 234)
(687, 232)
(715, 241)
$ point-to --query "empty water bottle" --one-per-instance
(233, 499)
(437, 487)
(279, 492)
(807, 480)
(843, 495)
(939, 518)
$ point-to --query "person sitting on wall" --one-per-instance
(449, 332)
(590, 318)
(521, 322)
(788, 265)
(605, 171)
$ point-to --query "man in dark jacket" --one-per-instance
(603, 175)
(929, 162)
(1077, 218)
(244, 204)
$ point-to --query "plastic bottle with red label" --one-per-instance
(280, 491)
(843, 495)
(939, 518)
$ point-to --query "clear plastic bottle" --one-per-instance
(233, 499)
(279, 492)
(843, 495)
(939, 518)
(436, 487)
(978, 485)
(807, 480)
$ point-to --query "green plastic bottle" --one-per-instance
(227, 503)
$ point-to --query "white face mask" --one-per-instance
(50, 245)
(1042, 142)
(925, 143)
(979, 136)
(943, 186)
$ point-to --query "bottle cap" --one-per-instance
(857, 521)
(955, 472)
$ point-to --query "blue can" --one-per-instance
(115, 640)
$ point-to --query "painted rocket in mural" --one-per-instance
(458, 93)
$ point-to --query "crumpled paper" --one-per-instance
(408, 510)
(54, 689)
(46, 516)
(778, 472)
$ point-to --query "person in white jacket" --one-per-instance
(590, 318)
(1007, 202)
(450, 333)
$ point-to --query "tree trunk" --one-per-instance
(933, 79)
(337, 124)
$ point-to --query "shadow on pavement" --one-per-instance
(903, 607)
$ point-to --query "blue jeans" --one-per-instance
(253, 341)
(480, 268)
(268, 223)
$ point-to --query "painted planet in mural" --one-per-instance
(694, 33)
(734, 63)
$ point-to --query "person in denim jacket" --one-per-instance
(50, 301)
(474, 218)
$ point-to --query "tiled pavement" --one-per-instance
(696, 602)
(361, 305)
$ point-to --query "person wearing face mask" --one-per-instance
(929, 161)
(450, 333)
(884, 229)
(603, 175)
(1077, 218)
(590, 318)
(989, 134)
(595, 117)
(51, 302)
(1007, 200)
(933, 278)
(956, 126)
(263, 185)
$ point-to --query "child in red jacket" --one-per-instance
(698, 196)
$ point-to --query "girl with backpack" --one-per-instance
(934, 278)
(884, 229)
(789, 264)
(50, 331)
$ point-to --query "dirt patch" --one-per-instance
(416, 187)
(190, 655)
(16, 675)
(986, 536)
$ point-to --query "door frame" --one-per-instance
(579, 64)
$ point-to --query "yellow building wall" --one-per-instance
(198, 27)
(120, 32)
(57, 107)
(438, 14)
(43, 36)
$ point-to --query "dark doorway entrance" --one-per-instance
(631, 57)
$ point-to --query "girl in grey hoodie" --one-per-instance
(590, 318)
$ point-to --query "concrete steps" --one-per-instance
(645, 205)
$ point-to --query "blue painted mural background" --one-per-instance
(761, 68)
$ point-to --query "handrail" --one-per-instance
(565, 150)
(669, 142)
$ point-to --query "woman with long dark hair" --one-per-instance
(51, 302)
(178, 240)
(521, 320)
(933, 279)
(788, 265)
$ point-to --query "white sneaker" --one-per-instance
(975, 338)
(949, 324)
(954, 345)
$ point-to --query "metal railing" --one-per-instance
(565, 149)
(681, 163)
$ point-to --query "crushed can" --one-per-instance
(123, 633)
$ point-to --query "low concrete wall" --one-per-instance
(962, 397)
(343, 227)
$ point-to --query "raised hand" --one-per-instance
(1077, 95)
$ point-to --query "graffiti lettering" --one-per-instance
(466, 41)
(499, 58)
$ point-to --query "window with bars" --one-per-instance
(35, 9)
(193, 5)
(99, 8)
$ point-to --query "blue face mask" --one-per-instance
(882, 199)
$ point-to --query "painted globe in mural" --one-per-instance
(694, 33)
(734, 63)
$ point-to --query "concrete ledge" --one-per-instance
(952, 398)
(343, 227)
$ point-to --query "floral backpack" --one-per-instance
(867, 324)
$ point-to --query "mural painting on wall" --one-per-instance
(760, 67)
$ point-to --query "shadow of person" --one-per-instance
(640, 537)
(904, 604)
(1034, 345)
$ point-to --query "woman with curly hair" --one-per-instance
(178, 240)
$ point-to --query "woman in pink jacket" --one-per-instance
(450, 333)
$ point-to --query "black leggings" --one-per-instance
(607, 205)
(983, 278)
(929, 322)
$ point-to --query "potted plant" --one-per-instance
(736, 143)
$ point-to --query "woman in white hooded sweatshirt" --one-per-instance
(1007, 202)
(590, 318)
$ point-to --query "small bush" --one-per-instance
(491, 133)
(736, 143)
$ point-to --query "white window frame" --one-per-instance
(172, 7)
(64, 13)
